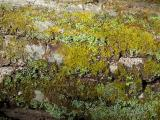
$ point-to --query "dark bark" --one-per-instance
(25, 114)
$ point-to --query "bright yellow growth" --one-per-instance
(84, 57)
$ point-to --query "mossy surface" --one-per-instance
(83, 84)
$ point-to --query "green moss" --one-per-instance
(124, 39)
(155, 23)
(114, 34)
(128, 81)
(38, 64)
(118, 36)
(16, 21)
(88, 42)
(15, 49)
(151, 68)
(84, 58)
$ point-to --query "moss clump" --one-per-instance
(16, 21)
(83, 84)
(126, 39)
(83, 59)
(128, 80)
(151, 69)
(112, 33)
(14, 50)
(155, 23)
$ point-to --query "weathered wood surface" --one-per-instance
(58, 1)
(73, 1)
(25, 114)
(59, 5)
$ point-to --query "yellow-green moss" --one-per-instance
(15, 49)
(16, 21)
(151, 68)
(84, 57)
(119, 37)
(125, 39)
